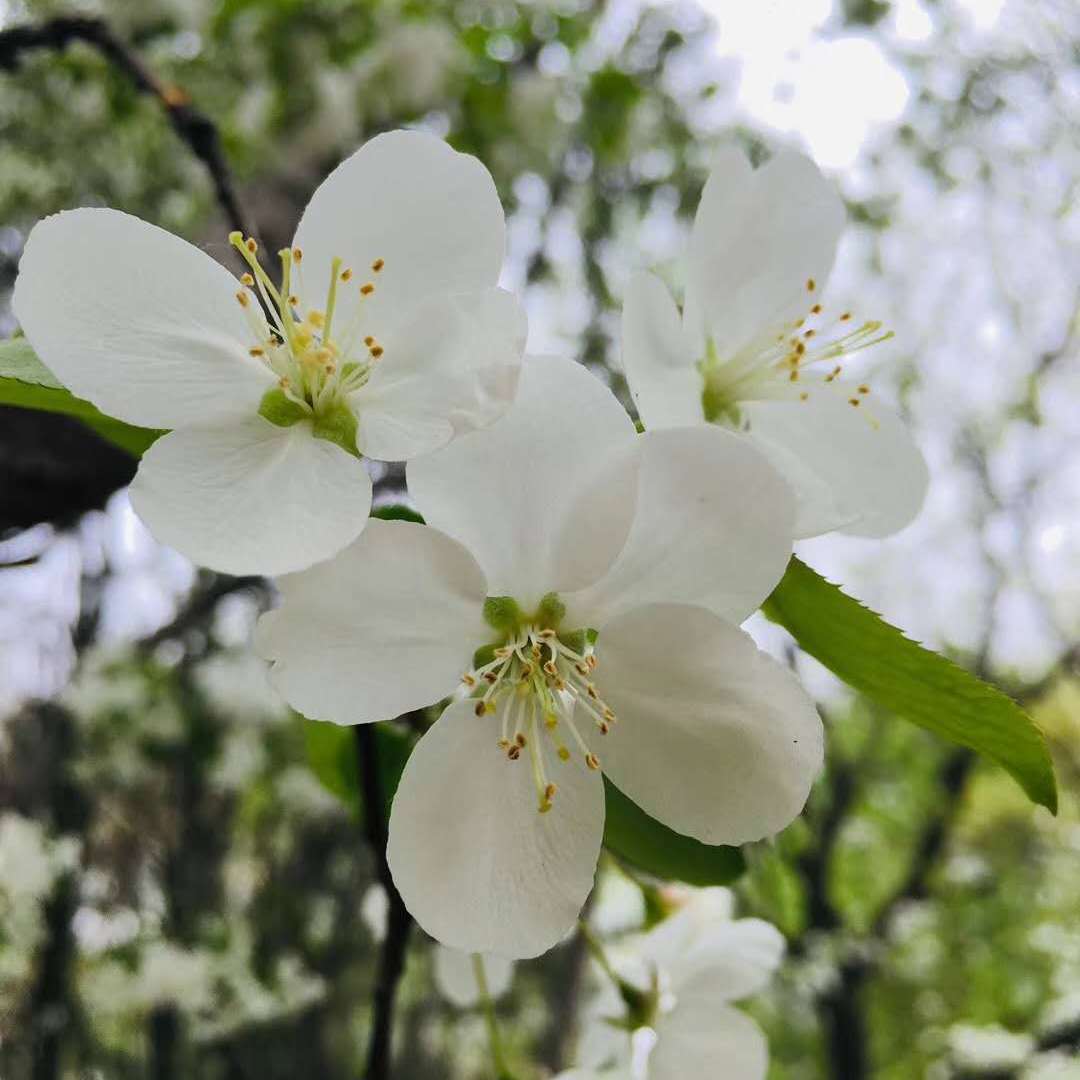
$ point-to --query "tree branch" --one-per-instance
(196, 129)
(399, 921)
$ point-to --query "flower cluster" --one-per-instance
(574, 597)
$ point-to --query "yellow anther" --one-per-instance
(376, 351)
(816, 309)
(242, 298)
(804, 396)
(369, 341)
(592, 761)
(864, 389)
(547, 635)
(605, 727)
(297, 254)
(468, 680)
(853, 401)
(377, 265)
(256, 351)
(251, 245)
(248, 280)
(811, 285)
(481, 708)
(793, 377)
(514, 753)
(367, 289)
(845, 316)
(564, 754)
(294, 300)
(551, 721)
(550, 668)
(520, 739)
(346, 274)
(316, 318)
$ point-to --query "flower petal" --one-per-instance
(542, 498)
(854, 469)
(739, 957)
(431, 214)
(452, 369)
(476, 864)
(138, 321)
(386, 626)
(251, 498)
(713, 527)
(714, 739)
(657, 360)
(759, 237)
(698, 1038)
(455, 976)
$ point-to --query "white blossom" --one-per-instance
(590, 583)
(386, 338)
(756, 349)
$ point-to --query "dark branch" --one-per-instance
(200, 607)
(399, 921)
(193, 126)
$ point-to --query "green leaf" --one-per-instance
(397, 512)
(891, 670)
(332, 755)
(26, 383)
(643, 842)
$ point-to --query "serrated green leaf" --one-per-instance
(26, 383)
(332, 755)
(893, 671)
(647, 845)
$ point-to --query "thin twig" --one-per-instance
(399, 921)
(192, 125)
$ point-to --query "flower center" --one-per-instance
(536, 679)
(785, 362)
(317, 361)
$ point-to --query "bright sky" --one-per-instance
(829, 89)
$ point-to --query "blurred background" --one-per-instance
(181, 896)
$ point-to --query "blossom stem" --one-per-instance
(399, 922)
(596, 949)
(498, 1056)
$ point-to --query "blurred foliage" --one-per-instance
(220, 921)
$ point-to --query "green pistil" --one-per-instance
(717, 400)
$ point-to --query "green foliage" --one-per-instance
(647, 845)
(876, 659)
(26, 382)
(333, 756)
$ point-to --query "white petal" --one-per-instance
(738, 957)
(714, 739)
(386, 626)
(542, 497)
(452, 369)
(671, 938)
(455, 976)
(251, 498)
(758, 238)
(657, 359)
(405, 197)
(855, 469)
(714, 526)
(138, 321)
(476, 864)
(699, 1038)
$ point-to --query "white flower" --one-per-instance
(387, 339)
(456, 976)
(590, 582)
(704, 962)
(755, 350)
